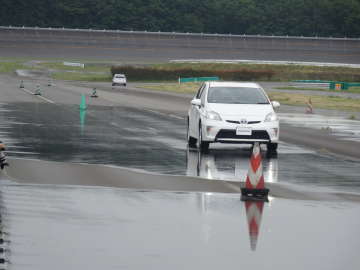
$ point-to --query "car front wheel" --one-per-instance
(203, 146)
(191, 140)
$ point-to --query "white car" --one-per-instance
(119, 79)
(232, 112)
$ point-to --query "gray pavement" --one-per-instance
(149, 47)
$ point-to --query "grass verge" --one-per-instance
(188, 88)
(323, 102)
(11, 66)
(89, 67)
(80, 76)
(280, 72)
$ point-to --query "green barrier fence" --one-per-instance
(198, 79)
(333, 85)
(312, 81)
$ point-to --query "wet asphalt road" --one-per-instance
(57, 226)
(63, 227)
(150, 140)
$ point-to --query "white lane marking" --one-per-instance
(32, 93)
(46, 99)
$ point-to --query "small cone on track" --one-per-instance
(255, 185)
(83, 102)
(94, 93)
(309, 108)
(254, 214)
(22, 84)
(37, 91)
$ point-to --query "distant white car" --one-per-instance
(232, 112)
(119, 79)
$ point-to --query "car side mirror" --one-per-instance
(275, 104)
(196, 102)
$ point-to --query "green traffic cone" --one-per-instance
(83, 102)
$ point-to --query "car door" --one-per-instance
(194, 113)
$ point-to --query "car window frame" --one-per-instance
(200, 91)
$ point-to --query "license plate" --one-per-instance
(243, 131)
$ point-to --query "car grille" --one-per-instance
(238, 122)
(231, 134)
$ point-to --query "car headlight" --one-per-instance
(271, 117)
(211, 115)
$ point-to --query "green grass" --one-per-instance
(80, 76)
(173, 87)
(90, 67)
(350, 90)
(324, 102)
(11, 66)
(282, 72)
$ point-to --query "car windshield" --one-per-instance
(236, 95)
(119, 76)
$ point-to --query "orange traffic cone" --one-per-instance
(255, 184)
(254, 214)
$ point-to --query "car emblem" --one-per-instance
(243, 121)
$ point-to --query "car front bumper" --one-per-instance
(224, 132)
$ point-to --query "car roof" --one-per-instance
(234, 84)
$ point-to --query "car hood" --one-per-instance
(235, 111)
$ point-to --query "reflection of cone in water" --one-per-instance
(254, 213)
(255, 184)
(82, 120)
(309, 107)
(83, 102)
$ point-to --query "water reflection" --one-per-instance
(208, 203)
(82, 120)
(254, 211)
(228, 164)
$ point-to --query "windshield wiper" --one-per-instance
(262, 103)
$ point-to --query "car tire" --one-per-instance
(125, 84)
(203, 146)
(190, 140)
(272, 147)
(113, 84)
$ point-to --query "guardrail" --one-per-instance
(176, 33)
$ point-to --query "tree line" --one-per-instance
(336, 18)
